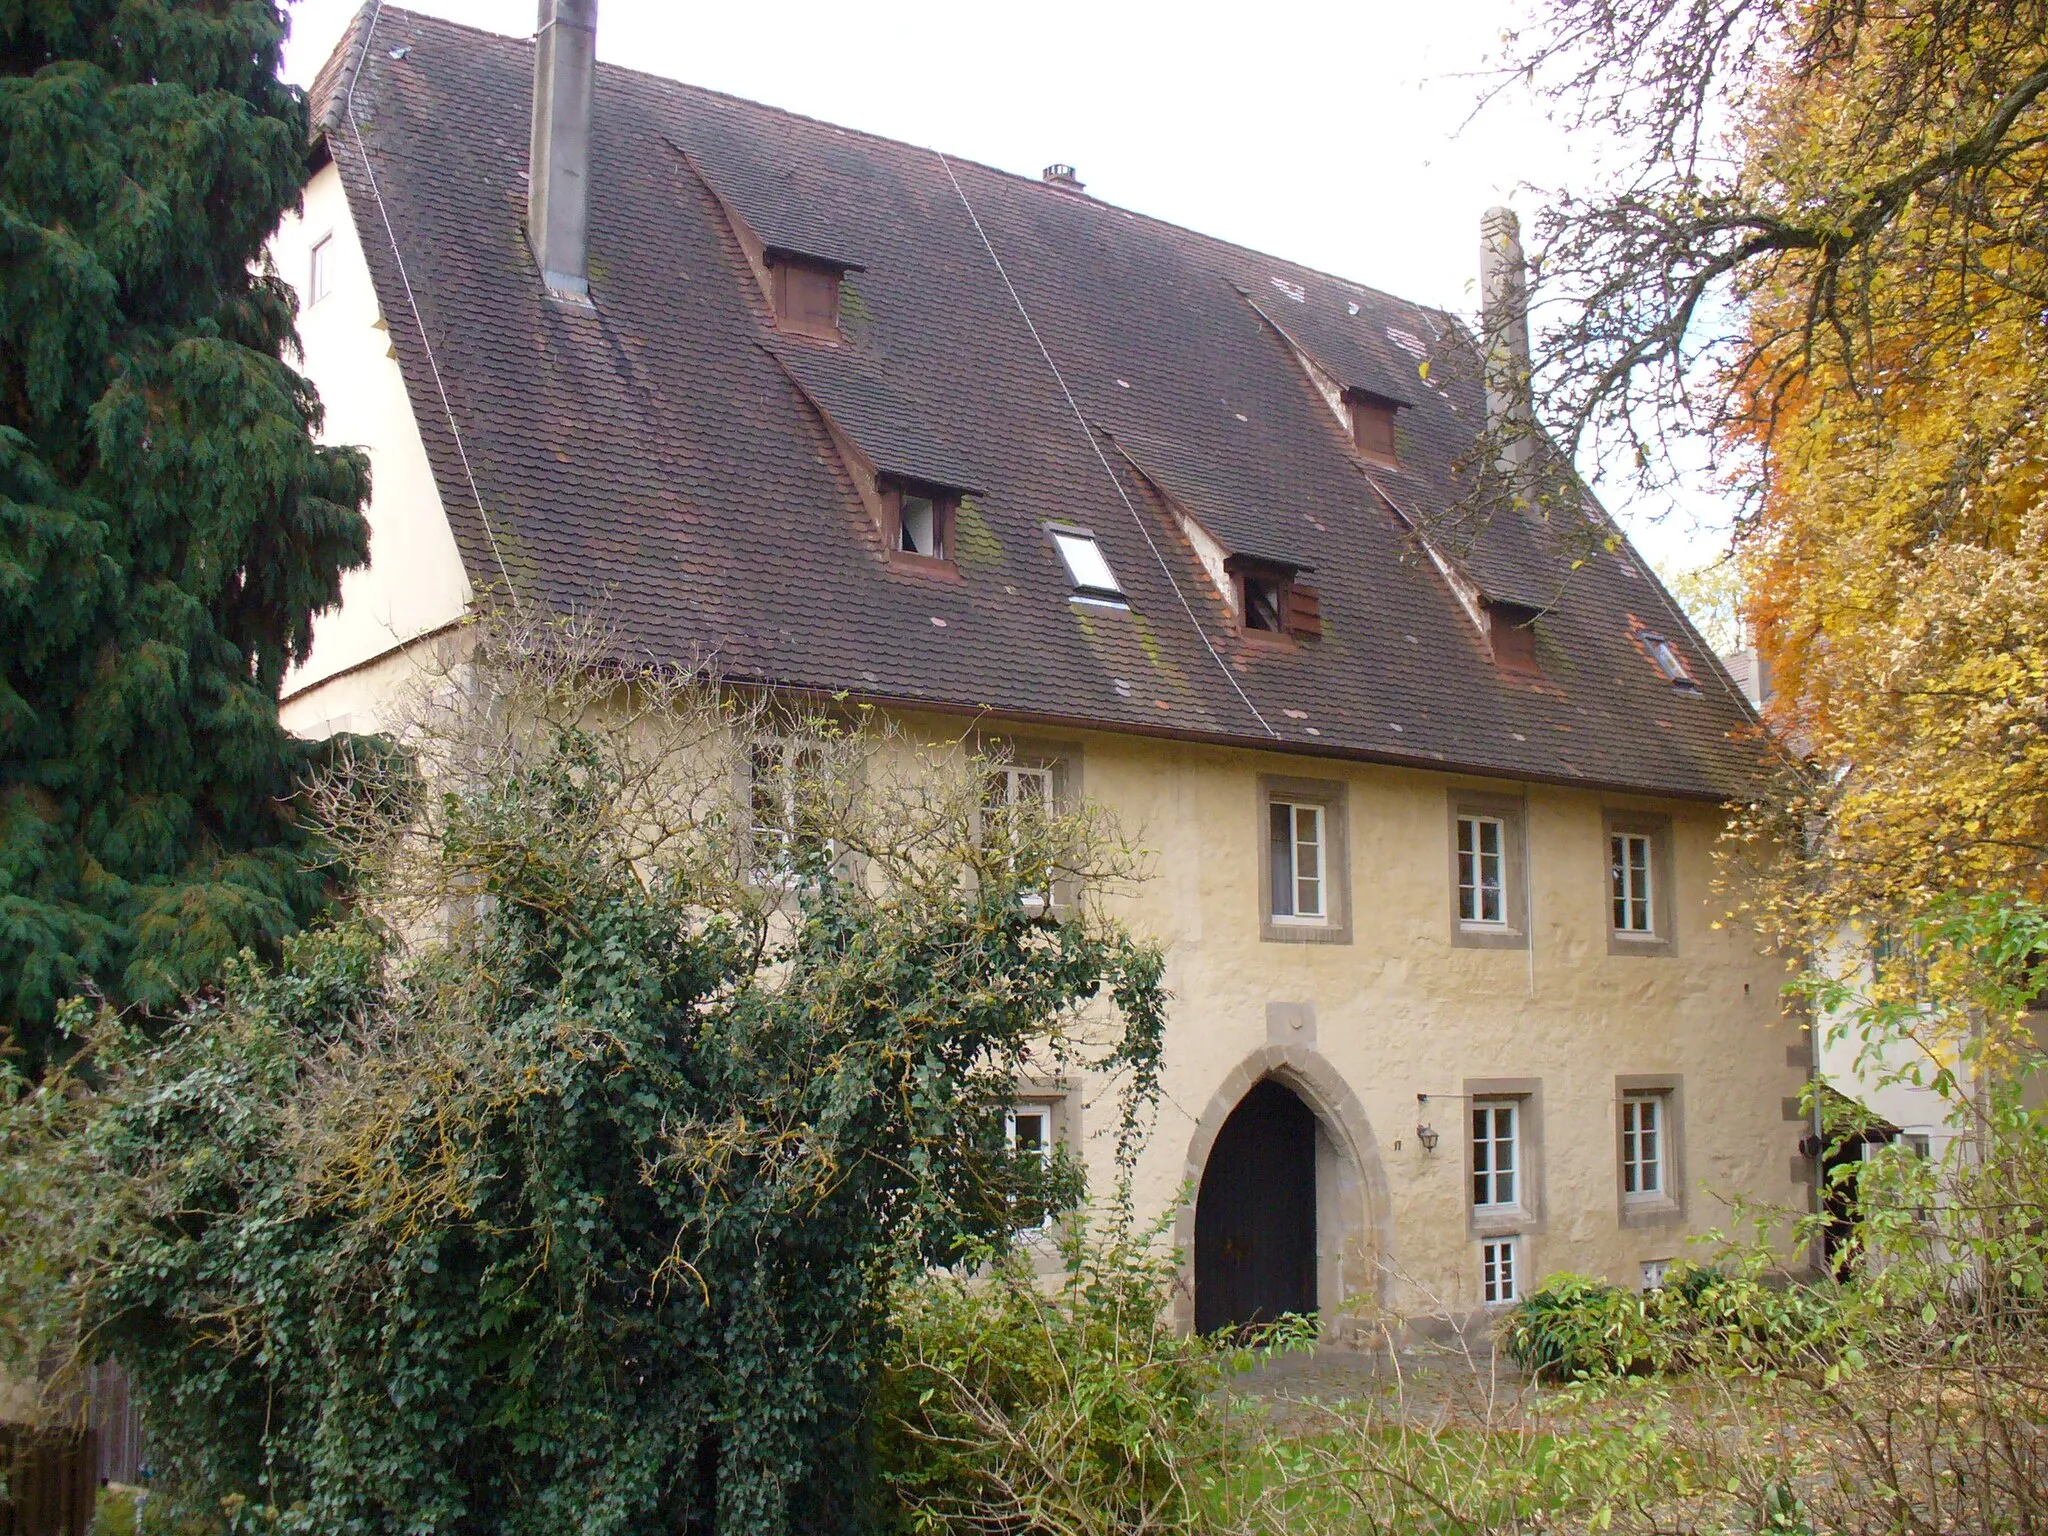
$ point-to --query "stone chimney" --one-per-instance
(1504, 317)
(558, 170)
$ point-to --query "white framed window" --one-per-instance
(320, 270)
(1086, 567)
(1643, 1135)
(1482, 865)
(1025, 789)
(1496, 1154)
(1500, 1266)
(1017, 794)
(1295, 836)
(1629, 878)
(782, 793)
(1027, 1131)
(1654, 1271)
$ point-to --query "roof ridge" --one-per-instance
(1023, 179)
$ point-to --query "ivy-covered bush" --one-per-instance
(564, 1188)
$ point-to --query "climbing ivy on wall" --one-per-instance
(561, 1188)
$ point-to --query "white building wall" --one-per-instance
(415, 583)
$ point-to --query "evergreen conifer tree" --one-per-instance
(168, 527)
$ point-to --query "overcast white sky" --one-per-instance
(1334, 134)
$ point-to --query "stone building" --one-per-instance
(1432, 798)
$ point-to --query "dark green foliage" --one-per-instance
(583, 1216)
(167, 526)
(1011, 1402)
(1576, 1326)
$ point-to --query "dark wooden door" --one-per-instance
(1255, 1216)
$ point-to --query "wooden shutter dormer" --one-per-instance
(1304, 612)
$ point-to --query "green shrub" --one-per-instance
(1574, 1325)
(1016, 1402)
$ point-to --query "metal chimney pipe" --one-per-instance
(1504, 316)
(558, 169)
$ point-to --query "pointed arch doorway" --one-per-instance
(1255, 1213)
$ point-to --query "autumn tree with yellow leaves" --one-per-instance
(1831, 258)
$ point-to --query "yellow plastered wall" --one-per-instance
(1400, 1011)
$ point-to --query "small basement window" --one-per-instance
(1669, 662)
(1086, 566)
(1372, 428)
(920, 519)
(806, 297)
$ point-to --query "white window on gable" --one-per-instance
(1086, 566)
(1297, 861)
(320, 270)
(1629, 878)
(1642, 1146)
(1481, 870)
(1499, 1270)
(1496, 1154)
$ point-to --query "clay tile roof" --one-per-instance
(664, 455)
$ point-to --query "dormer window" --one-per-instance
(1086, 567)
(1511, 631)
(805, 294)
(1372, 428)
(918, 519)
(1669, 662)
(1270, 600)
(1265, 602)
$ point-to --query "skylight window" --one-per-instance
(1665, 654)
(1091, 574)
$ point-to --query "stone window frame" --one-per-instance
(1668, 1208)
(1662, 940)
(1333, 795)
(1512, 811)
(1062, 759)
(1525, 1216)
(1062, 1098)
